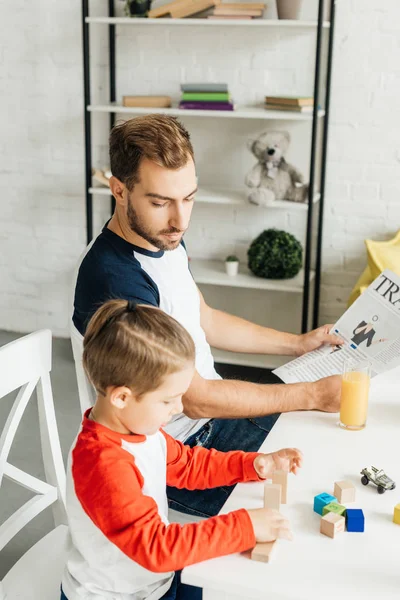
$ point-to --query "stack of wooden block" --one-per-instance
(275, 493)
(336, 517)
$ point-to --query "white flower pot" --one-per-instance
(288, 9)
(232, 267)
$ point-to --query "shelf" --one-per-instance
(283, 23)
(249, 360)
(212, 272)
(209, 195)
(242, 112)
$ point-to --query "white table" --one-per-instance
(313, 566)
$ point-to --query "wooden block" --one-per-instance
(345, 491)
(334, 507)
(272, 496)
(396, 514)
(263, 552)
(332, 524)
(280, 477)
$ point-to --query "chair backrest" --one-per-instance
(25, 364)
(87, 393)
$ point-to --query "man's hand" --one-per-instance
(325, 394)
(316, 338)
(287, 459)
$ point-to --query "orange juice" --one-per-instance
(354, 400)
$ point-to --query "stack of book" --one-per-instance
(179, 9)
(205, 96)
(238, 10)
(291, 103)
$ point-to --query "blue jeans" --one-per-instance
(177, 591)
(223, 435)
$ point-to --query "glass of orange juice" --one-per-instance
(354, 399)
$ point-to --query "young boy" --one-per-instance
(141, 362)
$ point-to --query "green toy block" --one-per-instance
(334, 507)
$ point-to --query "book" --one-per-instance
(243, 5)
(220, 10)
(204, 87)
(290, 100)
(303, 109)
(227, 17)
(206, 105)
(206, 96)
(147, 101)
(181, 8)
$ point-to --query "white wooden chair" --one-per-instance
(25, 364)
(87, 394)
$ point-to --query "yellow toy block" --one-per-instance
(396, 515)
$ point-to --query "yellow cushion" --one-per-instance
(362, 283)
(384, 255)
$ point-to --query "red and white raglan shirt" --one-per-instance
(122, 546)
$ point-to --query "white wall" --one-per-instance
(42, 219)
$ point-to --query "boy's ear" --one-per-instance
(119, 396)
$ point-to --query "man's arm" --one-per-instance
(228, 332)
(231, 399)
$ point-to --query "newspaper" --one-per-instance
(370, 329)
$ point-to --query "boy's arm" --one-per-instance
(199, 468)
(110, 492)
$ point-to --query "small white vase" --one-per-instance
(288, 9)
(232, 267)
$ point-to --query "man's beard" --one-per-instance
(138, 227)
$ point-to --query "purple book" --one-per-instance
(206, 105)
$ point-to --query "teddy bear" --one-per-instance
(272, 178)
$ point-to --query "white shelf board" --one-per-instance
(210, 195)
(212, 272)
(249, 360)
(241, 112)
(282, 23)
(100, 191)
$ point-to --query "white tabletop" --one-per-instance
(353, 565)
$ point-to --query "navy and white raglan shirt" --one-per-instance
(114, 268)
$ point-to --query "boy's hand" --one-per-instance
(287, 459)
(269, 525)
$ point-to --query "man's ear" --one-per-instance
(117, 189)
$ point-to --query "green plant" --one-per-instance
(231, 258)
(275, 254)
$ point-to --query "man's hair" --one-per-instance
(160, 138)
(134, 346)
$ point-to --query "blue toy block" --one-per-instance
(355, 520)
(322, 500)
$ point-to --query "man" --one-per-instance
(140, 256)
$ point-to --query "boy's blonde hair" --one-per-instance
(135, 346)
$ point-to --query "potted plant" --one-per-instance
(288, 9)
(232, 265)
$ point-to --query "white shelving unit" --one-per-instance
(212, 272)
(200, 22)
(240, 112)
(209, 195)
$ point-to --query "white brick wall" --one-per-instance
(42, 220)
